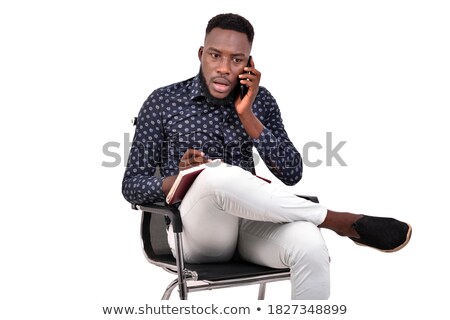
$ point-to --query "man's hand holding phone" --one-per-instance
(250, 78)
(249, 84)
(243, 88)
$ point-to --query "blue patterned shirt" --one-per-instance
(177, 117)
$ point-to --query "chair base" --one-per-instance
(193, 285)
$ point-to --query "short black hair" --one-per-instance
(231, 21)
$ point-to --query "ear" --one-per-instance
(200, 53)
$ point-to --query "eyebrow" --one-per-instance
(212, 49)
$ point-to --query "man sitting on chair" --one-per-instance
(227, 208)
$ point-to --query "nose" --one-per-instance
(224, 66)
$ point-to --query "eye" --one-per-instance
(237, 60)
(214, 55)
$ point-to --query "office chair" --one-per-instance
(197, 277)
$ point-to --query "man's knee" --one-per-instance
(307, 246)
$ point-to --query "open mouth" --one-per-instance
(221, 85)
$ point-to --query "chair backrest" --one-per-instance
(154, 237)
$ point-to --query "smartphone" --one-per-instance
(244, 88)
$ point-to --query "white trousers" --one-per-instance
(228, 208)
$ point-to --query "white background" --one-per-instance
(73, 73)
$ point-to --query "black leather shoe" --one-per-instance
(384, 234)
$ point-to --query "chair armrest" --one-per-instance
(162, 209)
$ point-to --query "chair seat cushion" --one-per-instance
(224, 270)
(231, 270)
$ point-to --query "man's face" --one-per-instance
(223, 58)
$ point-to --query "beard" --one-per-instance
(230, 99)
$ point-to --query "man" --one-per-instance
(227, 208)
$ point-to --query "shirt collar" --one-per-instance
(196, 88)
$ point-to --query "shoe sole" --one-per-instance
(408, 237)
